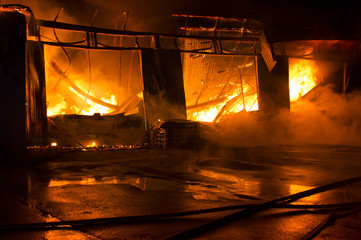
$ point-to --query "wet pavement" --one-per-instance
(63, 185)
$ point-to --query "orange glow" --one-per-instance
(83, 181)
(57, 106)
(93, 144)
(302, 77)
(58, 103)
(293, 188)
(236, 185)
(209, 113)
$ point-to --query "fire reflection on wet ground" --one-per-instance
(88, 185)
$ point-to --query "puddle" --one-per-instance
(55, 182)
(154, 184)
(199, 191)
(294, 188)
(233, 188)
(202, 192)
(237, 184)
(229, 164)
(142, 183)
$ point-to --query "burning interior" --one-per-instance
(210, 80)
(218, 78)
(111, 87)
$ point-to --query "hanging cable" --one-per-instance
(89, 62)
(88, 52)
(57, 39)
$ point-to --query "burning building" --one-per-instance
(111, 86)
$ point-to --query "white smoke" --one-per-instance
(322, 117)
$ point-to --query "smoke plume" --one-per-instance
(321, 117)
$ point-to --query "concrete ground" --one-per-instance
(55, 185)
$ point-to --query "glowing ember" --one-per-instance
(93, 144)
(302, 76)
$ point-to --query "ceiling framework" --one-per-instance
(218, 57)
(241, 41)
(217, 85)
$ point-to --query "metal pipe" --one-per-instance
(80, 28)
(241, 80)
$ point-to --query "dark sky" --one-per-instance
(330, 18)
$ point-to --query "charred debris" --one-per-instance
(96, 88)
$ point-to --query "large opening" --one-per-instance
(216, 86)
(304, 75)
(92, 82)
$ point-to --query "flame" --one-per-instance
(93, 144)
(302, 77)
(209, 113)
(58, 104)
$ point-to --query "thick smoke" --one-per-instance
(324, 118)
(321, 117)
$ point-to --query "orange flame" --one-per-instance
(302, 77)
(57, 103)
(209, 113)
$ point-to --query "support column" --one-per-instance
(273, 86)
(164, 96)
(12, 82)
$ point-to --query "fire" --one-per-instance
(302, 77)
(66, 100)
(207, 114)
(92, 144)
(58, 105)
(232, 104)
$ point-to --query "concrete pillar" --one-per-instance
(12, 81)
(164, 96)
(273, 86)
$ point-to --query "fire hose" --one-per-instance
(246, 210)
(264, 206)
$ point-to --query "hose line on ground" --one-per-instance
(246, 210)
(264, 206)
